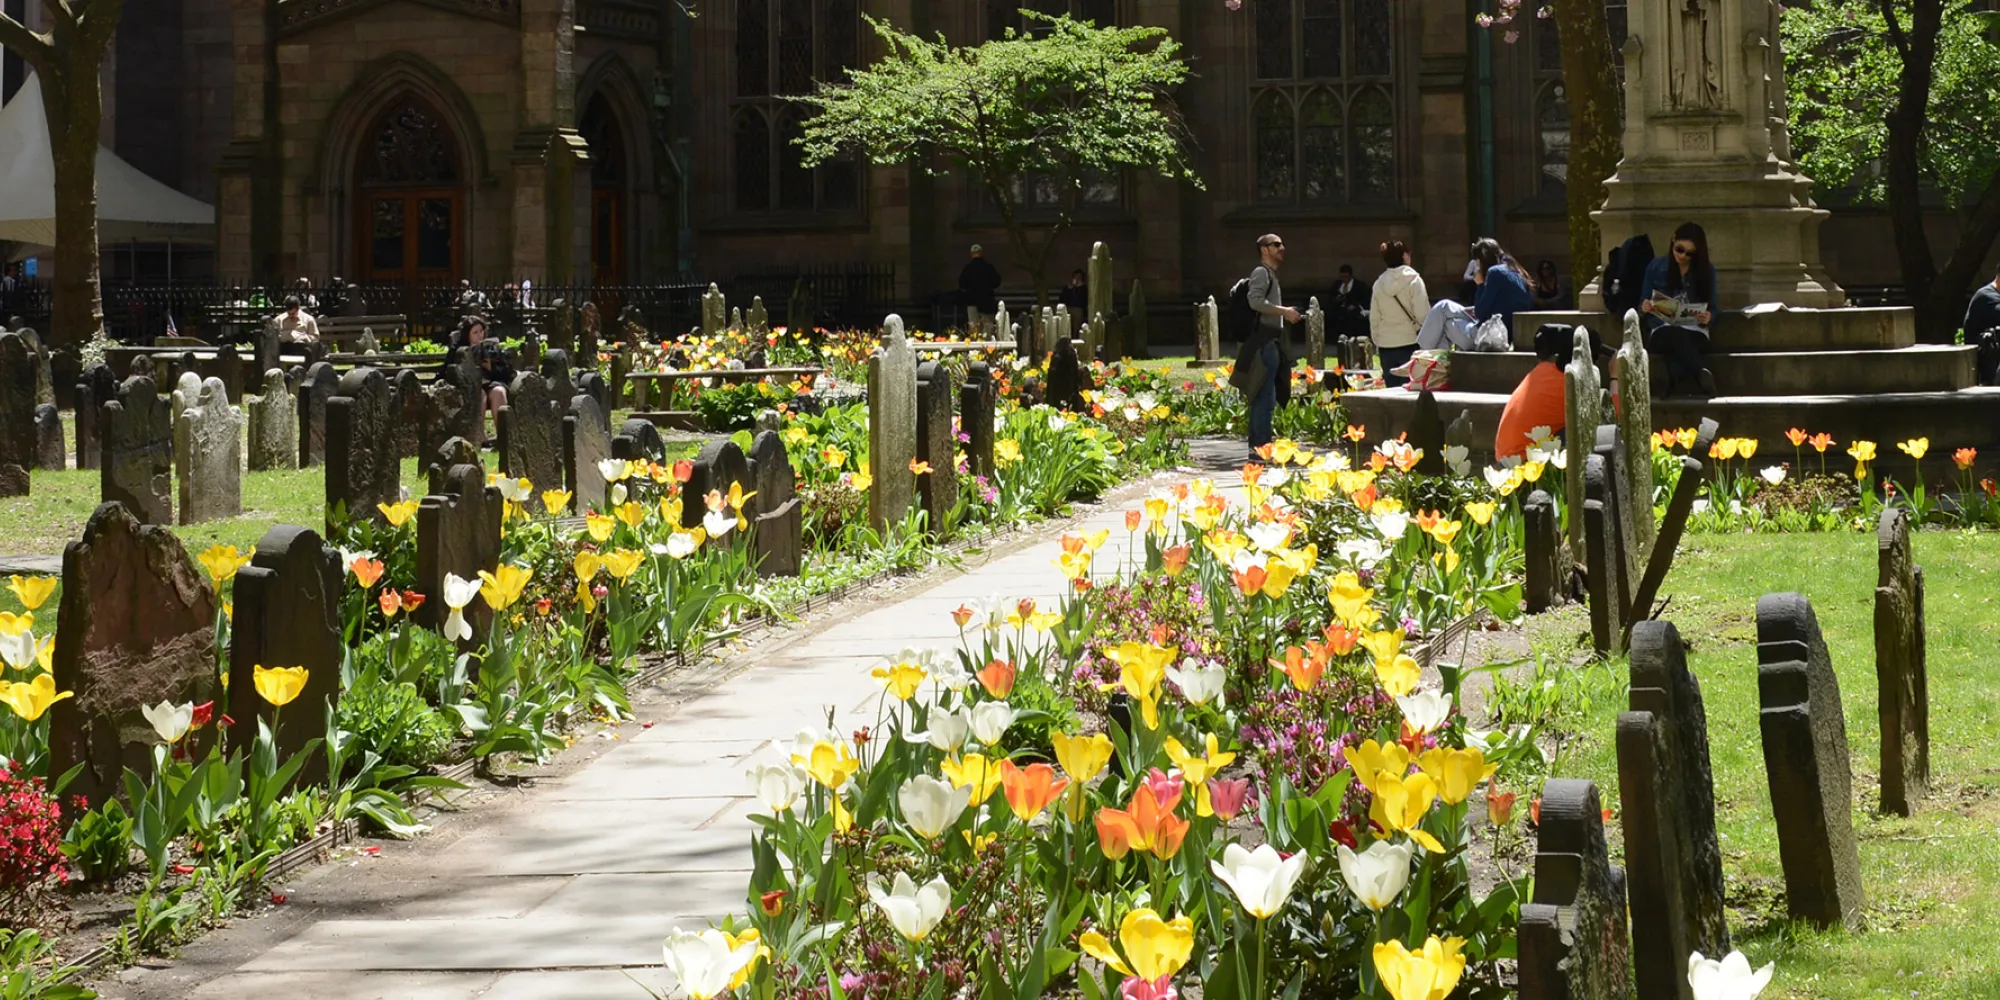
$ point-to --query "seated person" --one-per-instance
(1539, 400)
(1683, 279)
(495, 374)
(1076, 295)
(1982, 327)
(295, 325)
(1548, 291)
(1502, 292)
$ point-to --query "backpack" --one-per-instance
(1625, 274)
(1238, 319)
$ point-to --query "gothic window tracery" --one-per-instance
(784, 48)
(410, 148)
(1322, 107)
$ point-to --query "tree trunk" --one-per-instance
(1595, 127)
(1979, 227)
(74, 104)
(1917, 48)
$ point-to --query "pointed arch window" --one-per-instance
(408, 211)
(1322, 108)
(783, 49)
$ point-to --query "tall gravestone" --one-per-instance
(98, 387)
(1003, 328)
(49, 450)
(937, 490)
(363, 470)
(1573, 940)
(1582, 412)
(757, 322)
(17, 414)
(187, 391)
(411, 401)
(287, 615)
(208, 456)
(1427, 434)
(1604, 551)
(1805, 755)
(137, 622)
(719, 463)
(1315, 334)
(779, 523)
(1094, 339)
(1098, 296)
(1137, 337)
(1902, 683)
(458, 532)
(531, 435)
(136, 433)
(274, 425)
(1208, 332)
(319, 386)
(638, 440)
(1542, 583)
(714, 312)
(44, 365)
(976, 401)
(586, 442)
(892, 425)
(1634, 403)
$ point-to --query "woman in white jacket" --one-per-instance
(1396, 310)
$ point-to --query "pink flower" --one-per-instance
(1166, 788)
(1134, 988)
(1228, 797)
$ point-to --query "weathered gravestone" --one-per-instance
(320, 383)
(142, 367)
(98, 386)
(137, 462)
(49, 450)
(1427, 434)
(363, 470)
(1458, 433)
(937, 445)
(1093, 339)
(1003, 327)
(454, 406)
(589, 333)
(1582, 412)
(779, 522)
(137, 622)
(531, 436)
(458, 533)
(1573, 941)
(229, 368)
(1901, 679)
(585, 443)
(892, 425)
(43, 363)
(714, 312)
(1208, 333)
(1315, 333)
(1065, 385)
(1679, 507)
(274, 425)
(409, 392)
(621, 365)
(1805, 755)
(452, 453)
(1098, 283)
(720, 463)
(1137, 344)
(757, 322)
(555, 370)
(638, 440)
(976, 402)
(1542, 544)
(187, 391)
(562, 328)
(1604, 553)
(17, 414)
(287, 615)
(208, 456)
(593, 385)
(1667, 793)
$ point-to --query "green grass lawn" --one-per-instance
(1932, 881)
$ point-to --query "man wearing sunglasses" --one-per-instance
(1260, 364)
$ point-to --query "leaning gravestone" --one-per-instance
(1634, 406)
(1805, 755)
(274, 425)
(1668, 791)
(531, 436)
(892, 425)
(363, 470)
(1604, 553)
(1542, 584)
(720, 463)
(638, 440)
(1427, 435)
(1679, 507)
(137, 462)
(452, 453)
(17, 414)
(287, 615)
(1573, 940)
(137, 622)
(49, 451)
(585, 443)
(779, 521)
(1065, 384)
(1582, 411)
(97, 387)
(410, 400)
(937, 445)
(1901, 679)
(976, 401)
(458, 532)
(318, 387)
(208, 456)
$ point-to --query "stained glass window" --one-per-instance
(1322, 111)
(412, 148)
(753, 161)
(784, 49)
(1276, 140)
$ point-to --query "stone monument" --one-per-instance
(892, 425)
(208, 456)
(1902, 684)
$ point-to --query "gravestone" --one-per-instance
(590, 334)
(556, 372)
(411, 402)
(362, 468)
(779, 521)
(1458, 433)
(136, 433)
(1136, 343)
(287, 615)
(593, 385)
(458, 532)
(976, 401)
(720, 463)
(49, 450)
(585, 443)
(142, 366)
(714, 312)
(1098, 295)
(1805, 755)
(187, 391)
(1573, 940)
(1634, 405)
(1003, 327)
(1427, 435)
(1604, 553)
(768, 420)
(274, 425)
(1208, 332)
(1315, 334)
(452, 453)
(320, 383)
(757, 322)
(208, 456)
(229, 368)
(453, 407)
(43, 364)
(1679, 507)
(17, 414)
(1065, 387)
(562, 328)
(937, 444)
(1093, 339)
(1901, 679)
(621, 365)
(137, 622)
(98, 386)
(531, 436)
(892, 425)
(1582, 412)
(638, 440)
(1542, 544)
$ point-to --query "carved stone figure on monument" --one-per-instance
(1635, 425)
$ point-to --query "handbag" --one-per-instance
(1427, 370)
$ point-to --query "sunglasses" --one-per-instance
(1684, 251)
(1275, 243)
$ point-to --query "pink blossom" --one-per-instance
(1166, 787)
(1228, 797)
(1134, 988)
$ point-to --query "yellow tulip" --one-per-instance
(1153, 948)
(973, 770)
(633, 513)
(1074, 565)
(749, 936)
(1350, 601)
(1197, 770)
(599, 527)
(1006, 451)
(1372, 758)
(1400, 804)
(1746, 448)
(1278, 577)
(1082, 757)
(398, 513)
(1141, 669)
(29, 699)
(279, 685)
(32, 591)
(503, 586)
(1446, 531)
(13, 624)
(1456, 772)
(222, 562)
(1096, 539)
(831, 764)
(1384, 645)
(1725, 448)
(737, 497)
(832, 456)
(1481, 512)
(586, 566)
(1398, 676)
(555, 501)
(584, 598)
(622, 563)
(1915, 447)
(902, 679)
(1430, 973)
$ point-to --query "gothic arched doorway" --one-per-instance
(601, 131)
(409, 212)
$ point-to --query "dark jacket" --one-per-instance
(1503, 295)
(978, 280)
(1982, 313)
(1661, 276)
(1077, 298)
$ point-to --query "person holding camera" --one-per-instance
(495, 374)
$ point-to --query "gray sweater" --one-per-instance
(1267, 298)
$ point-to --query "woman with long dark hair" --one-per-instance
(1678, 299)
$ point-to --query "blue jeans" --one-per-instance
(1266, 399)
(1394, 357)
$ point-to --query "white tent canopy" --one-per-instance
(130, 205)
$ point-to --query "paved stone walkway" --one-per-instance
(578, 880)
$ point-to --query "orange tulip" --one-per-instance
(1304, 670)
(1355, 432)
(1132, 518)
(1821, 442)
(1964, 457)
(997, 678)
(962, 614)
(1251, 473)
(1341, 640)
(1499, 806)
(1428, 520)
(1175, 559)
(683, 470)
(366, 571)
(391, 602)
(412, 601)
(1146, 826)
(1029, 790)
(1250, 580)
(1797, 436)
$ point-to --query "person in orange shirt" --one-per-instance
(1539, 400)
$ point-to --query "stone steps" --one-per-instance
(1860, 328)
(1917, 369)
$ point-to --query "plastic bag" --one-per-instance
(1492, 336)
(1427, 370)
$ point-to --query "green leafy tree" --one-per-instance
(1891, 100)
(66, 59)
(1053, 107)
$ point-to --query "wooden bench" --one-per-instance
(342, 331)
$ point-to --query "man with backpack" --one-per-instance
(1258, 315)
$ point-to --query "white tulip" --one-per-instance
(1392, 524)
(682, 545)
(1270, 535)
(947, 730)
(19, 650)
(778, 786)
(1459, 457)
(618, 494)
(1425, 711)
(1056, 421)
(990, 720)
(457, 594)
(718, 522)
(1261, 880)
(1364, 553)
(931, 805)
(912, 911)
(1542, 453)
(1377, 875)
(1773, 474)
(1729, 979)
(1496, 476)
(1541, 434)
(804, 740)
(171, 721)
(516, 490)
(704, 963)
(950, 673)
(1199, 681)
(1560, 459)
(612, 469)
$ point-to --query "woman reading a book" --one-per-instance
(1678, 300)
